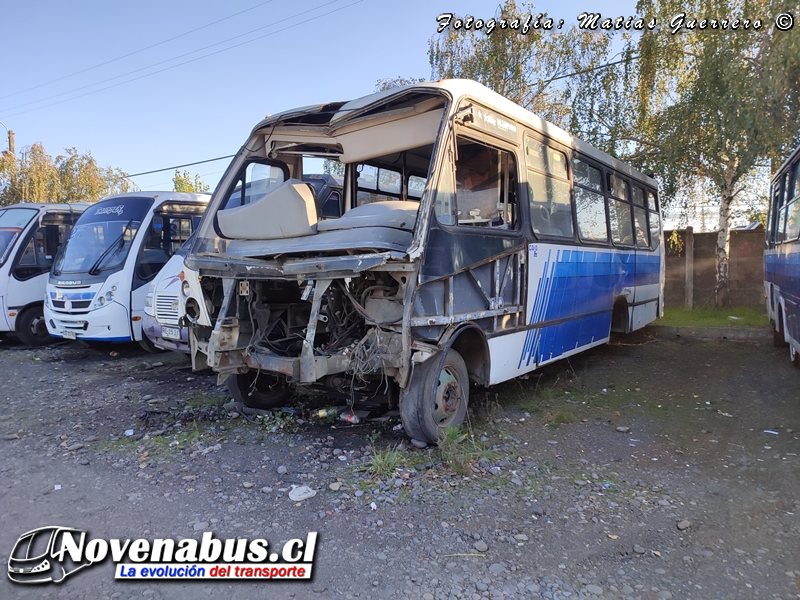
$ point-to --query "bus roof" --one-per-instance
(795, 154)
(51, 206)
(458, 89)
(164, 196)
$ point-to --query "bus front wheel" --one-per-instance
(436, 398)
(259, 390)
(31, 327)
(794, 355)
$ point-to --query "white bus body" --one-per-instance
(99, 280)
(163, 307)
(30, 236)
(477, 242)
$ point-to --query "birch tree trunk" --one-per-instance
(722, 287)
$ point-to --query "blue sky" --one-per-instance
(51, 84)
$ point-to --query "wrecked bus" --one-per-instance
(477, 242)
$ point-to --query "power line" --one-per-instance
(199, 162)
(108, 62)
(589, 70)
(176, 58)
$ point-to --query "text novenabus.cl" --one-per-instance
(49, 554)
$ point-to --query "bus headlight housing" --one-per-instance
(186, 289)
(103, 299)
(148, 300)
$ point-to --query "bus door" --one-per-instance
(647, 288)
(35, 256)
(473, 269)
(170, 227)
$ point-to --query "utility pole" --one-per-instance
(10, 139)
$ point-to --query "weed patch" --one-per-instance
(280, 422)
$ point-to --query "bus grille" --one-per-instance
(76, 304)
(167, 309)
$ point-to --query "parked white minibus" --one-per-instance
(100, 277)
(163, 307)
(30, 235)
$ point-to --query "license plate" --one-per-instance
(69, 335)
(172, 333)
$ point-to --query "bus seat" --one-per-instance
(287, 211)
(398, 214)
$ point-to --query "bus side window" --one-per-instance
(35, 260)
(640, 218)
(619, 211)
(590, 203)
(486, 184)
(550, 198)
(655, 221)
(153, 256)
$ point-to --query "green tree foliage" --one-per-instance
(333, 167)
(34, 176)
(183, 182)
(701, 105)
(527, 68)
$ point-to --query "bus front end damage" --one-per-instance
(332, 322)
(280, 292)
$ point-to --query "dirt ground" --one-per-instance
(571, 483)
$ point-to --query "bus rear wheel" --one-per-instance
(778, 339)
(32, 328)
(259, 390)
(436, 398)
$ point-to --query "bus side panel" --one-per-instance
(29, 291)
(570, 303)
(788, 280)
(4, 326)
(647, 288)
(137, 311)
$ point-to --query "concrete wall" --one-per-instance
(746, 268)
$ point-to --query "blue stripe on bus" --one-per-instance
(581, 282)
(71, 295)
(783, 270)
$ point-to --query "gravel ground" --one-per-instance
(650, 468)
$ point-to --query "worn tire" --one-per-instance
(31, 327)
(436, 398)
(270, 391)
(148, 346)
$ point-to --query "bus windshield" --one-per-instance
(12, 222)
(102, 237)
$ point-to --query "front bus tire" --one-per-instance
(794, 355)
(31, 327)
(259, 389)
(436, 398)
